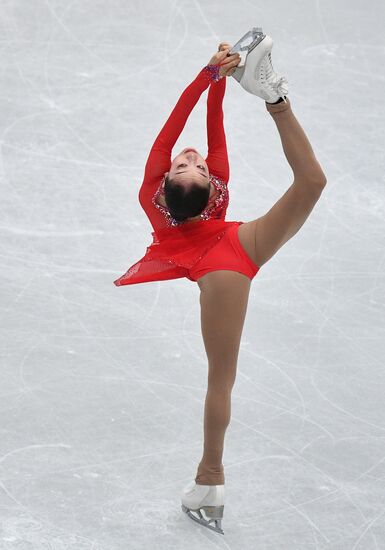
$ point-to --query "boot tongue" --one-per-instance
(278, 84)
(268, 66)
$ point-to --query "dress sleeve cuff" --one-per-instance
(211, 72)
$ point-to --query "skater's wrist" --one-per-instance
(211, 72)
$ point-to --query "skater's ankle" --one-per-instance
(279, 106)
(211, 482)
(275, 102)
(202, 479)
(210, 475)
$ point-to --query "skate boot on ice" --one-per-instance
(210, 499)
(255, 71)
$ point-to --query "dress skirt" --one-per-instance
(175, 250)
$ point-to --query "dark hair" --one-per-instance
(185, 201)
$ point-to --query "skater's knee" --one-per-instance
(221, 377)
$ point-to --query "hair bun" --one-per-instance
(179, 218)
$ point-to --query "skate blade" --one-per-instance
(246, 45)
(202, 521)
(249, 41)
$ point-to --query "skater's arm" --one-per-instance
(217, 159)
(159, 159)
(219, 66)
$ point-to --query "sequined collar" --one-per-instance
(211, 207)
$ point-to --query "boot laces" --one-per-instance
(277, 85)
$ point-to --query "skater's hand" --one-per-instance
(224, 46)
(228, 63)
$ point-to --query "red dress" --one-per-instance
(177, 246)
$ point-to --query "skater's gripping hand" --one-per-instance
(224, 46)
(228, 63)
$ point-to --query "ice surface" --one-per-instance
(102, 387)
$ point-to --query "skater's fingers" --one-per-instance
(231, 59)
(220, 58)
(222, 54)
(224, 46)
(229, 68)
(226, 56)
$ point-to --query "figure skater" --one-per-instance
(186, 201)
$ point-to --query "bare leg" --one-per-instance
(223, 299)
(263, 237)
(295, 143)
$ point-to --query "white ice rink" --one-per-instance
(103, 387)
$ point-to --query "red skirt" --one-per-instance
(175, 250)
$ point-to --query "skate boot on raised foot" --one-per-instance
(210, 499)
(255, 72)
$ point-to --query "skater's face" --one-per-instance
(189, 166)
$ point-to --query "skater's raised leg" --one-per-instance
(263, 237)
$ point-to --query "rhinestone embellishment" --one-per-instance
(212, 72)
(213, 209)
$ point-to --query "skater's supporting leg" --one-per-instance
(223, 299)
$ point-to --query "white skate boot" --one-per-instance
(210, 499)
(255, 71)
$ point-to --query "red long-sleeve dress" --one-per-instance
(177, 246)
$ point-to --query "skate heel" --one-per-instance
(206, 520)
(238, 73)
(213, 512)
(207, 499)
